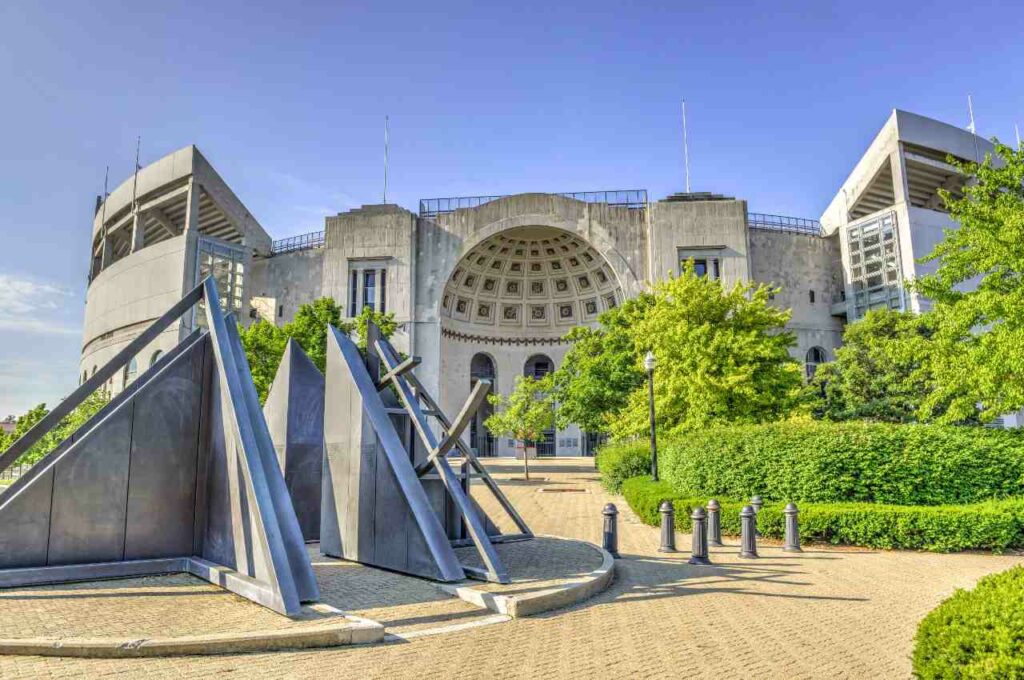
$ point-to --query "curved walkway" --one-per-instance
(825, 613)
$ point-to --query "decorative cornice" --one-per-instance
(491, 340)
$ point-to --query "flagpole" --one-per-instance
(973, 129)
(386, 149)
(686, 150)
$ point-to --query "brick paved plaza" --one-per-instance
(837, 613)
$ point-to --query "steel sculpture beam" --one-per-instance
(294, 412)
(176, 473)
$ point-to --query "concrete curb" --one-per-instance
(529, 604)
(349, 630)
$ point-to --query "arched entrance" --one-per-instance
(480, 440)
(512, 298)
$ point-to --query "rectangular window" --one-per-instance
(225, 263)
(383, 290)
(370, 289)
(875, 273)
(705, 261)
(812, 297)
(353, 294)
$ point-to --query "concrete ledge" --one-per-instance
(528, 604)
(347, 630)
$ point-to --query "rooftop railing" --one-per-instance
(634, 199)
(314, 239)
(793, 225)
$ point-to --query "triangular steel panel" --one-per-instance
(294, 412)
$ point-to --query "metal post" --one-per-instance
(611, 530)
(756, 503)
(748, 532)
(714, 524)
(792, 543)
(654, 436)
(699, 550)
(668, 528)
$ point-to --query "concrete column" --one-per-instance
(107, 252)
(191, 235)
(138, 232)
(899, 175)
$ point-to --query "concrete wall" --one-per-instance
(126, 297)
(290, 280)
(718, 227)
(798, 264)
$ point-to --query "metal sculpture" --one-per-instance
(295, 416)
(176, 474)
(393, 500)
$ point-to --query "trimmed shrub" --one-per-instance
(839, 462)
(992, 525)
(975, 634)
(618, 462)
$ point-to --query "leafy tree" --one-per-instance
(309, 328)
(882, 372)
(978, 336)
(600, 370)
(264, 345)
(64, 429)
(722, 356)
(525, 414)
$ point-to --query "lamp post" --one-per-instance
(649, 364)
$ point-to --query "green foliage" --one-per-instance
(526, 413)
(857, 461)
(264, 345)
(978, 334)
(722, 357)
(991, 525)
(882, 371)
(309, 328)
(601, 368)
(618, 461)
(975, 634)
(64, 429)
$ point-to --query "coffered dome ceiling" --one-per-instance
(536, 280)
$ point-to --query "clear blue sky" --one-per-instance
(287, 100)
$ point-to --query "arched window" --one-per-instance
(815, 356)
(85, 376)
(538, 366)
(130, 371)
(481, 367)
(156, 357)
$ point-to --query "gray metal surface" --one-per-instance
(176, 473)
(748, 532)
(792, 542)
(668, 528)
(699, 537)
(610, 530)
(373, 503)
(295, 417)
(714, 524)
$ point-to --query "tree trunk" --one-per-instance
(526, 461)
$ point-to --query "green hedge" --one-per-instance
(837, 462)
(977, 633)
(992, 525)
(619, 462)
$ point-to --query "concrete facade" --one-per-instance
(489, 286)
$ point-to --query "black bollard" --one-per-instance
(748, 532)
(756, 503)
(699, 551)
(714, 524)
(792, 543)
(611, 529)
(668, 528)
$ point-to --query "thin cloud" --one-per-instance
(30, 306)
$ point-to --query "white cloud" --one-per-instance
(32, 306)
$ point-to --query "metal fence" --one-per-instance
(634, 199)
(314, 239)
(15, 471)
(794, 225)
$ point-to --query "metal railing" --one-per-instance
(794, 225)
(634, 199)
(15, 471)
(314, 239)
